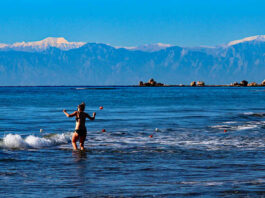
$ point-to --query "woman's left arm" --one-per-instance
(91, 118)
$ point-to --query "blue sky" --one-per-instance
(132, 22)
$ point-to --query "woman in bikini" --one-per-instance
(80, 127)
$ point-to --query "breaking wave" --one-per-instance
(15, 141)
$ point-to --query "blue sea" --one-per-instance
(159, 142)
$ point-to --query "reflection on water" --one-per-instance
(79, 155)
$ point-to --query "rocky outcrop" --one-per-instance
(244, 83)
(193, 84)
(200, 83)
(151, 83)
(235, 84)
(253, 84)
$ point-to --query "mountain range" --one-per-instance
(55, 61)
(42, 45)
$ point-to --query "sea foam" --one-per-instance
(15, 141)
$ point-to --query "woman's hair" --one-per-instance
(82, 106)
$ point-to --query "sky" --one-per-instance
(132, 22)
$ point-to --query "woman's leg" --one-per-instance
(82, 141)
(74, 139)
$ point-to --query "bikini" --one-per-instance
(80, 132)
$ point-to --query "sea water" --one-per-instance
(161, 142)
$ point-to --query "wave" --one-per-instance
(247, 127)
(15, 141)
(252, 114)
(170, 141)
(238, 126)
(219, 183)
(141, 142)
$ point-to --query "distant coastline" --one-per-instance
(81, 87)
(243, 83)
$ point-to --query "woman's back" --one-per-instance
(80, 120)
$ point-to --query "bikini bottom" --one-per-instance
(81, 132)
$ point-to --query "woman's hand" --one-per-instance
(64, 110)
(94, 114)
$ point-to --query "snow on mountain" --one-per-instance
(63, 44)
(42, 45)
(258, 38)
(160, 46)
(2, 45)
(148, 47)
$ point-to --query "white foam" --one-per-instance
(37, 142)
(189, 182)
(230, 122)
(61, 138)
(213, 183)
(198, 142)
(81, 88)
(15, 141)
(245, 127)
(219, 126)
(248, 113)
(204, 183)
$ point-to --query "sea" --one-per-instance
(158, 142)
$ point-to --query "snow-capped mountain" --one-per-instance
(258, 38)
(148, 47)
(42, 45)
(63, 44)
(159, 46)
(2, 45)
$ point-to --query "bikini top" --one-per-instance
(78, 117)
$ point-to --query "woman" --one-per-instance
(80, 127)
